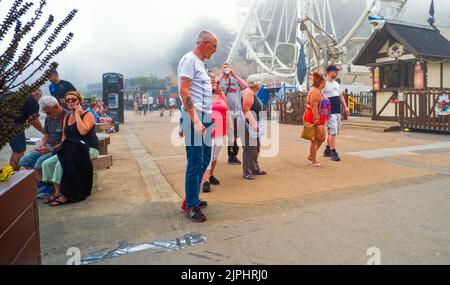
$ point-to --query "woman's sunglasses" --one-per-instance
(71, 100)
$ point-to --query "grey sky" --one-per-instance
(132, 37)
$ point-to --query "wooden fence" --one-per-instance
(418, 110)
(362, 103)
(291, 110)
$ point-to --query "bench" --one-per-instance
(102, 162)
(104, 141)
(103, 127)
(33, 141)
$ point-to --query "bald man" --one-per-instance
(196, 92)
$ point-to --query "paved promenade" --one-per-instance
(391, 192)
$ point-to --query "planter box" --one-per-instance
(19, 221)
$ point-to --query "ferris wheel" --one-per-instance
(275, 32)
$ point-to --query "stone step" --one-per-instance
(370, 125)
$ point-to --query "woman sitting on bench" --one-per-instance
(71, 170)
(101, 112)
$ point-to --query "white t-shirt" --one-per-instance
(333, 91)
(144, 100)
(151, 101)
(192, 67)
(172, 102)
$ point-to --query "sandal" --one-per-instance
(259, 173)
(249, 177)
(317, 164)
(52, 199)
(58, 202)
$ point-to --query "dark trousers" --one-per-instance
(198, 152)
(233, 148)
(250, 156)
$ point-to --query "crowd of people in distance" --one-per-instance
(144, 104)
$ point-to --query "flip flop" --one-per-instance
(317, 164)
(58, 203)
(52, 199)
(260, 173)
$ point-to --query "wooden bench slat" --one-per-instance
(102, 162)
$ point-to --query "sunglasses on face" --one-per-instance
(71, 100)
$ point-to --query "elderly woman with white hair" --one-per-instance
(252, 108)
(51, 141)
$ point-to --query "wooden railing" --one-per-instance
(291, 110)
(418, 110)
(362, 105)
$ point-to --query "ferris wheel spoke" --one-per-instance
(272, 37)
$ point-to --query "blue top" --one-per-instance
(59, 90)
(96, 117)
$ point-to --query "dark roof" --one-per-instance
(421, 41)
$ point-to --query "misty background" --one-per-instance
(148, 37)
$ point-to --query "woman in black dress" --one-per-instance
(80, 145)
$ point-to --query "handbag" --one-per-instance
(309, 132)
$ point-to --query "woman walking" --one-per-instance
(135, 105)
(172, 105)
(318, 110)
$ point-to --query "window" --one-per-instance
(397, 75)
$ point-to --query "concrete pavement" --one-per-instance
(397, 202)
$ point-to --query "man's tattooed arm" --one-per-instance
(189, 103)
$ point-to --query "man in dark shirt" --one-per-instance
(58, 88)
(29, 110)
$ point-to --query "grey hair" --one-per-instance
(204, 36)
(254, 80)
(48, 101)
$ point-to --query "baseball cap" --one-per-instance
(332, 68)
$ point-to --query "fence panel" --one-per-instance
(418, 110)
(360, 104)
(292, 109)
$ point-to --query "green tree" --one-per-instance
(20, 62)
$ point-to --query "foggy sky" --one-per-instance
(132, 37)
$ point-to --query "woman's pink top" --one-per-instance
(219, 114)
